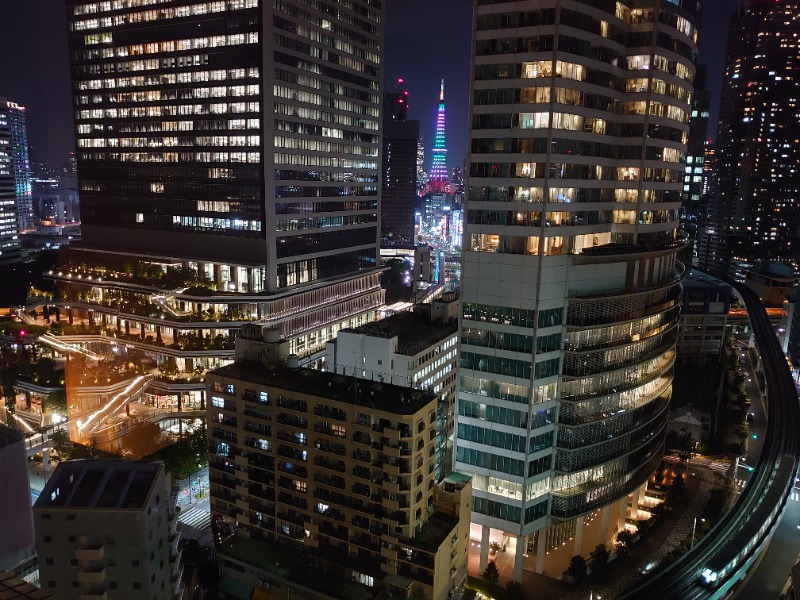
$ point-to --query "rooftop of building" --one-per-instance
(100, 483)
(415, 331)
(700, 280)
(379, 396)
(16, 588)
(10, 436)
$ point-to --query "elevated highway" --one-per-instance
(722, 558)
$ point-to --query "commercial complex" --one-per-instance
(16, 122)
(228, 164)
(570, 284)
(108, 529)
(337, 471)
(754, 212)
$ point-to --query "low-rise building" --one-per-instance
(338, 474)
(704, 316)
(688, 419)
(108, 529)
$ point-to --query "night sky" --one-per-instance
(426, 40)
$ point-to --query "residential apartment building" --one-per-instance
(336, 475)
(579, 123)
(415, 349)
(754, 214)
(228, 168)
(108, 529)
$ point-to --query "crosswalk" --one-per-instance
(196, 517)
(720, 466)
(795, 495)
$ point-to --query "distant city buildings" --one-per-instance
(754, 212)
(695, 175)
(571, 279)
(399, 168)
(9, 228)
(16, 124)
(108, 529)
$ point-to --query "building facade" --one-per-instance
(570, 285)
(17, 545)
(9, 231)
(108, 529)
(417, 350)
(228, 164)
(339, 468)
(704, 317)
(754, 215)
(399, 168)
(16, 121)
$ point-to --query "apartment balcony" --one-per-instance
(393, 435)
(89, 553)
(391, 470)
(91, 575)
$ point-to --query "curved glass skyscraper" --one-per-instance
(571, 282)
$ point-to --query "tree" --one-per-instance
(577, 567)
(623, 543)
(514, 589)
(598, 559)
(491, 574)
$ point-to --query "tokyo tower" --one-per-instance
(439, 178)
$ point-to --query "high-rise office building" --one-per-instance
(399, 167)
(232, 146)
(695, 175)
(108, 529)
(755, 212)
(570, 284)
(9, 232)
(16, 122)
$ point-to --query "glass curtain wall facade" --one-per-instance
(243, 131)
(16, 122)
(235, 144)
(9, 238)
(570, 283)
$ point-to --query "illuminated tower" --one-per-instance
(440, 181)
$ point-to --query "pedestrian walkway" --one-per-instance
(197, 517)
(683, 528)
